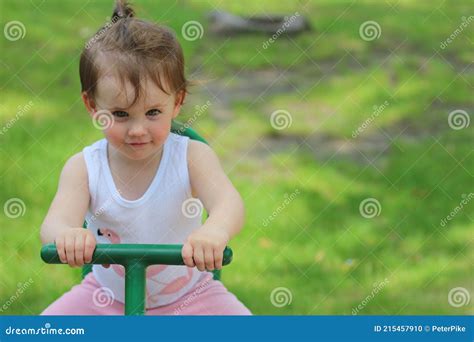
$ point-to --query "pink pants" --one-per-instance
(211, 299)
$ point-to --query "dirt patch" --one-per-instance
(255, 87)
(325, 147)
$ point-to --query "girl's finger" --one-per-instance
(60, 248)
(69, 246)
(209, 258)
(187, 254)
(79, 250)
(218, 258)
(89, 248)
(198, 256)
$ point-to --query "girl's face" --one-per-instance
(137, 131)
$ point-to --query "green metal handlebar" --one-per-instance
(123, 254)
(135, 258)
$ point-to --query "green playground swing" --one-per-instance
(137, 257)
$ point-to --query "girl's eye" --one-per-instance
(153, 112)
(120, 114)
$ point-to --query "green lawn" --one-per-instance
(309, 178)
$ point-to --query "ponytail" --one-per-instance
(122, 10)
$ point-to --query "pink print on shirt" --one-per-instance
(170, 288)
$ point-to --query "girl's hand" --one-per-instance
(75, 246)
(204, 248)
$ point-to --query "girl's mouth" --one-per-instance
(138, 144)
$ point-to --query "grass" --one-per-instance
(318, 246)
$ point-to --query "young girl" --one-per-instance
(142, 183)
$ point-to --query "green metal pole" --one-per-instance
(135, 283)
(135, 258)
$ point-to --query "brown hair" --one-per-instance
(138, 49)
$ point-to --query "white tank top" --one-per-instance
(155, 218)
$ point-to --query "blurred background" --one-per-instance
(346, 126)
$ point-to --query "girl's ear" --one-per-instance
(88, 102)
(178, 102)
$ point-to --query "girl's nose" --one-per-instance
(137, 129)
